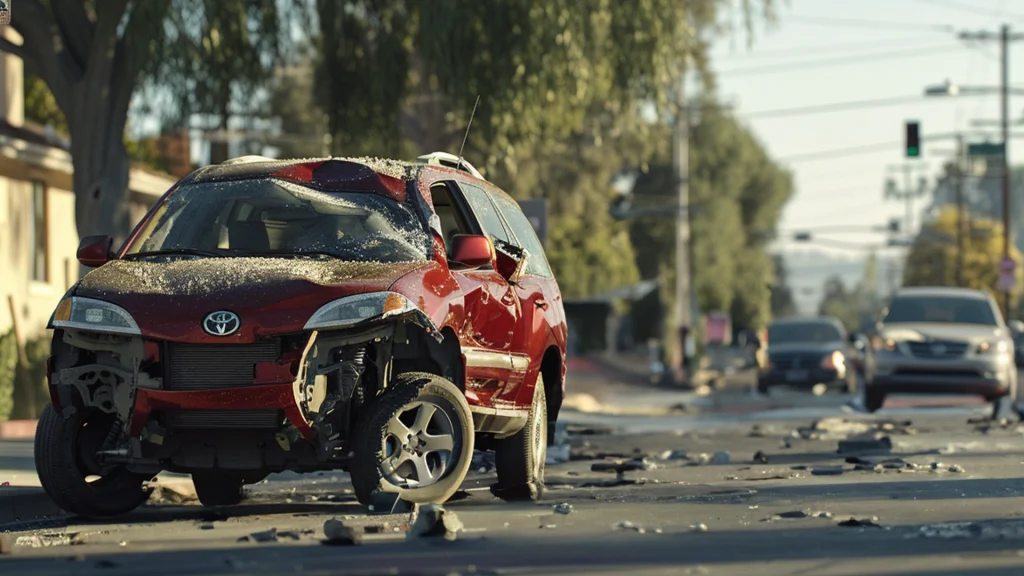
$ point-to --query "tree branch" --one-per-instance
(75, 29)
(12, 48)
(33, 23)
(104, 40)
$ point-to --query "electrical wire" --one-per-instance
(821, 49)
(830, 62)
(840, 152)
(958, 6)
(870, 24)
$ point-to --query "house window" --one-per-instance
(40, 246)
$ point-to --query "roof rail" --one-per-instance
(451, 161)
(246, 160)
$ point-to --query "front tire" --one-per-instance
(520, 458)
(415, 440)
(65, 455)
(873, 400)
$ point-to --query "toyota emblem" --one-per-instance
(221, 323)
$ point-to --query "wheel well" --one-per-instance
(551, 370)
(417, 351)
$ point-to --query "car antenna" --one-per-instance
(468, 126)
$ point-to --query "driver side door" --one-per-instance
(491, 306)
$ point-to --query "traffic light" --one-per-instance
(913, 139)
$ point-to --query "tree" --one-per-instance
(94, 55)
(782, 303)
(839, 302)
(932, 259)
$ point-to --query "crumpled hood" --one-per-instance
(924, 331)
(270, 295)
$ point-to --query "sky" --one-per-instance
(831, 51)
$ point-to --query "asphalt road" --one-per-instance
(710, 508)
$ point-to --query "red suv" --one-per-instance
(379, 317)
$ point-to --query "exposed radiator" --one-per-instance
(211, 366)
(238, 419)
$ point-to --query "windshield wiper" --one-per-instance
(176, 251)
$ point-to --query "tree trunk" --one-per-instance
(101, 188)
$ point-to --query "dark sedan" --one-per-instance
(803, 353)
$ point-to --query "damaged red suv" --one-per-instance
(379, 317)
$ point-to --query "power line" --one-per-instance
(821, 49)
(829, 62)
(871, 24)
(834, 107)
(957, 6)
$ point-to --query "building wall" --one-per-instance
(34, 300)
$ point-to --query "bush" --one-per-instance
(29, 403)
(8, 365)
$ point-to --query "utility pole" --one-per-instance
(681, 165)
(1004, 37)
(960, 216)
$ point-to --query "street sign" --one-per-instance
(1007, 282)
(1007, 266)
(985, 149)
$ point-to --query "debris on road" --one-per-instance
(702, 458)
(721, 457)
(865, 444)
(760, 457)
(176, 493)
(791, 514)
(563, 508)
(860, 522)
(48, 540)
(434, 521)
(826, 471)
(265, 536)
(674, 455)
(627, 525)
(483, 462)
(582, 430)
(702, 527)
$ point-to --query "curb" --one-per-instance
(18, 429)
(21, 508)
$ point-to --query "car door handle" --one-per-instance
(541, 304)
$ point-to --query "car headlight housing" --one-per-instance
(94, 315)
(835, 360)
(352, 310)
(987, 347)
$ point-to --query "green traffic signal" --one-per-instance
(913, 139)
(913, 152)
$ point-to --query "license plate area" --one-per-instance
(796, 375)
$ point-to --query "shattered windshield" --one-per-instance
(793, 332)
(272, 217)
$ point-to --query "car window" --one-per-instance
(489, 219)
(536, 260)
(798, 332)
(268, 216)
(943, 309)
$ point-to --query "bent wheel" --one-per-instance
(520, 458)
(415, 440)
(65, 455)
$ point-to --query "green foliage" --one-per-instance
(932, 259)
(29, 403)
(41, 107)
(8, 365)
(852, 307)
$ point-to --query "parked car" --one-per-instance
(805, 352)
(379, 317)
(942, 341)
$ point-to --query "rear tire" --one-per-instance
(219, 487)
(520, 458)
(65, 455)
(873, 400)
(396, 431)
